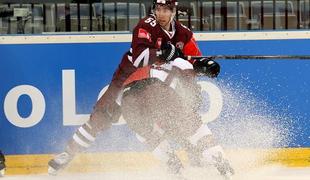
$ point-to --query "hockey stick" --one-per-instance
(260, 57)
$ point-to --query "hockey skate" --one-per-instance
(59, 163)
(175, 167)
(2, 165)
(174, 164)
(223, 166)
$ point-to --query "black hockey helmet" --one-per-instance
(171, 3)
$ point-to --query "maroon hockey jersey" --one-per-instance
(148, 36)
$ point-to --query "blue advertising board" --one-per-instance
(48, 89)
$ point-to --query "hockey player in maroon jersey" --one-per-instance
(157, 40)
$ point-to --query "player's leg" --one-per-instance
(106, 111)
(82, 138)
(2, 164)
(162, 150)
(210, 150)
(197, 139)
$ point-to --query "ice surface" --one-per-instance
(263, 173)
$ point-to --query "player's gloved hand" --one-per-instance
(207, 67)
(169, 52)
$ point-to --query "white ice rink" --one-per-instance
(264, 173)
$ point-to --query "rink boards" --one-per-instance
(49, 84)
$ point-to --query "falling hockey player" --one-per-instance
(159, 45)
(161, 102)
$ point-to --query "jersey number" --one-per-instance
(151, 21)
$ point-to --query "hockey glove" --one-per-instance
(207, 67)
(169, 52)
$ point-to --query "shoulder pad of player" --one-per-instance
(182, 26)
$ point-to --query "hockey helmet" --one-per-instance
(171, 3)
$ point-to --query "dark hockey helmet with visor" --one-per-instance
(170, 3)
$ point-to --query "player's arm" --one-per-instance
(191, 48)
(203, 66)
